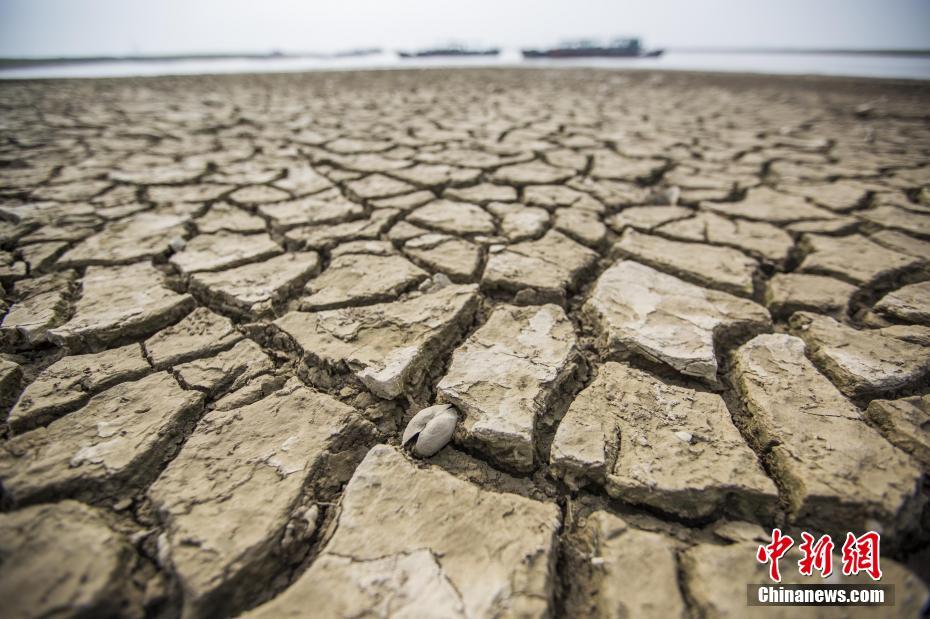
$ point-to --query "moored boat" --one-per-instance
(620, 48)
(450, 51)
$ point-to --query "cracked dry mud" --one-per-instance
(670, 311)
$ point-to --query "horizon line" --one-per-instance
(274, 53)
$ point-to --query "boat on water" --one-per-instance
(357, 53)
(619, 48)
(450, 51)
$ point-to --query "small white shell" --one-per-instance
(432, 428)
(419, 421)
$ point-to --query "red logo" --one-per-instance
(771, 553)
(817, 555)
(859, 554)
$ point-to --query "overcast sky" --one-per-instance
(114, 27)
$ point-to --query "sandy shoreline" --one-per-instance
(857, 90)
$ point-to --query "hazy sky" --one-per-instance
(91, 27)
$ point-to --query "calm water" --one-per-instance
(909, 67)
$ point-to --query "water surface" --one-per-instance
(859, 65)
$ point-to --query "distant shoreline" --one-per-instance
(12, 63)
(859, 64)
(796, 50)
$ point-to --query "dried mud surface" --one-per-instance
(670, 311)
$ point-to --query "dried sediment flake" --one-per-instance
(672, 448)
(41, 257)
(436, 175)
(786, 293)
(228, 218)
(906, 423)
(531, 173)
(610, 165)
(714, 577)
(837, 473)
(840, 196)
(256, 288)
(388, 347)
(326, 236)
(110, 446)
(915, 334)
(258, 194)
(357, 279)
(635, 308)
(482, 194)
(196, 193)
(227, 370)
(42, 304)
(141, 236)
(199, 334)
(860, 362)
(646, 218)
(237, 498)
(540, 271)
(613, 583)
(323, 208)
(378, 186)
(902, 243)
(519, 222)
(11, 375)
(900, 219)
(553, 196)
(222, 250)
(92, 579)
(69, 382)
(366, 247)
(759, 239)
(722, 268)
(581, 225)
(766, 204)
(854, 259)
(411, 584)
(455, 257)
(453, 217)
(302, 179)
(118, 303)
(11, 269)
(507, 375)
(908, 304)
(436, 548)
